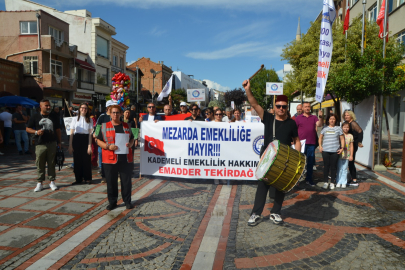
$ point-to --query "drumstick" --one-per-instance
(261, 67)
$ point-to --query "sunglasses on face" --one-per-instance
(219, 114)
(207, 113)
(151, 107)
(182, 106)
(194, 110)
(281, 106)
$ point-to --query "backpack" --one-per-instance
(59, 158)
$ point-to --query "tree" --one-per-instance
(258, 86)
(216, 103)
(178, 95)
(237, 95)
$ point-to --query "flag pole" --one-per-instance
(362, 29)
(381, 96)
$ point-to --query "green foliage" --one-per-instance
(216, 103)
(238, 96)
(178, 95)
(258, 86)
(351, 76)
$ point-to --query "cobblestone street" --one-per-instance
(196, 224)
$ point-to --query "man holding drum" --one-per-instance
(286, 132)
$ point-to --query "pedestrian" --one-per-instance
(299, 112)
(286, 132)
(229, 115)
(183, 108)
(151, 116)
(167, 110)
(19, 128)
(134, 116)
(307, 130)
(331, 141)
(6, 117)
(47, 138)
(80, 145)
(209, 113)
(345, 158)
(237, 116)
(104, 118)
(218, 115)
(116, 163)
(357, 133)
(194, 114)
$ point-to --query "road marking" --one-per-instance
(209, 244)
(383, 179)
(59, 252)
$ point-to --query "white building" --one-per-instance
(184, 81)
(91, 35)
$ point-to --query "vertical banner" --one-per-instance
(325, 47)
(206, 150)
(166, 90)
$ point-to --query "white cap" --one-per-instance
(110, 103)
(183, 104)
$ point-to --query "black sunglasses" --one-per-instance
(219, 114)
(207, 113)
(193, 109)
(151, 107)
(281, 106)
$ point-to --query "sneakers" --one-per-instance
(354, 184)
(332, 186)
(39, 187)
(338, 185)
(111, 207)
(314, 168)
(343, 185)
(103, 180)
(254, 220)
(325, 186)
(129, 206)
(53, 186)
(276, 218)
(312, 185)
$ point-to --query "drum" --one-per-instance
(283, 166)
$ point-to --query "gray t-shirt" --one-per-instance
(331, 141)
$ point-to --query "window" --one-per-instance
(121, 63)
(27, 28)
(102, 47)
(372, 13)
(57, 68)
(31, 65)
(57, 34)
(115, 61)
(390, 5)
(400, 2)
(102, 75)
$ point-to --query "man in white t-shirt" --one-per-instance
(151, 116)
(6, 117)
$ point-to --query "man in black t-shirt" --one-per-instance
(194, 114)
(286, 132)
(47, 132)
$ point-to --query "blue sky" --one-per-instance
(220, 41)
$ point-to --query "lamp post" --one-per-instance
(154, 73)
(362, 30)
(137, 87)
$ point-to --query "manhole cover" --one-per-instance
(391, 204)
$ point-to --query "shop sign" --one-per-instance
(81, 96)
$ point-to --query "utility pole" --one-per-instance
(362, 29)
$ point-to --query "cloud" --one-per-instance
(243, 49)
(216, 86)
(157, 32)
(257, 29)
(280, 74)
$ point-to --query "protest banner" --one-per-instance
(206, 150)
(68, 122)
(173, 117)
(194, 95)
(274, 88)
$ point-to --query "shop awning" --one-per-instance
(85, 65)
(325, 104)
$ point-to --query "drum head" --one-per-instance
(267, 159)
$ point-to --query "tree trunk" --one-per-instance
(389, 135)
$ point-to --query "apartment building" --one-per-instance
(41, 42)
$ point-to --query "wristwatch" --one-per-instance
(36, 132)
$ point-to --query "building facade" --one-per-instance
(11, 74)
(41, 42)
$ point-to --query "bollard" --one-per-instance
(403, 159)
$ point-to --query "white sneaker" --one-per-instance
(325, 186)
(343, 185)
(53, 186)
(314, 168)
(332, 186)
(276, 218)
(254, 220)
(38, 188)
(338, 185)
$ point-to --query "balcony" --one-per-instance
(85, 85)
(60, 48)
(59, 83)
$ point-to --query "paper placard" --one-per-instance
(121, 139)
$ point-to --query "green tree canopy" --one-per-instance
(237, 95)
(351, 76)
(216, 103)
(258, 86)
(178, 95)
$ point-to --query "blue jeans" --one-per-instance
(21, 134)
(6, 135)
(342, 171)
(310, 153)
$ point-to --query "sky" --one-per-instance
(220, 41)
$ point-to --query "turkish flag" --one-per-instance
(347, 21)
(380, 21)
(154, 146)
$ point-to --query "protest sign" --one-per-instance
(273, 88)
(201, 149)
(68, 122)
(194, 95)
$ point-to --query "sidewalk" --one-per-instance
(195, 224)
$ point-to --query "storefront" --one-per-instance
(55, 97)
(78, 98)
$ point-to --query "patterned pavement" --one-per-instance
(196, 224)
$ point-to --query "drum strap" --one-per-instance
(274, 127)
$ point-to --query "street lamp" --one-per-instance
(137, 87)
(154, 73)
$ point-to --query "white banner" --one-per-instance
(68, 122)
(194, 95)
(201, 149)
(166, 90)
(325, 47)
(273, 88)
